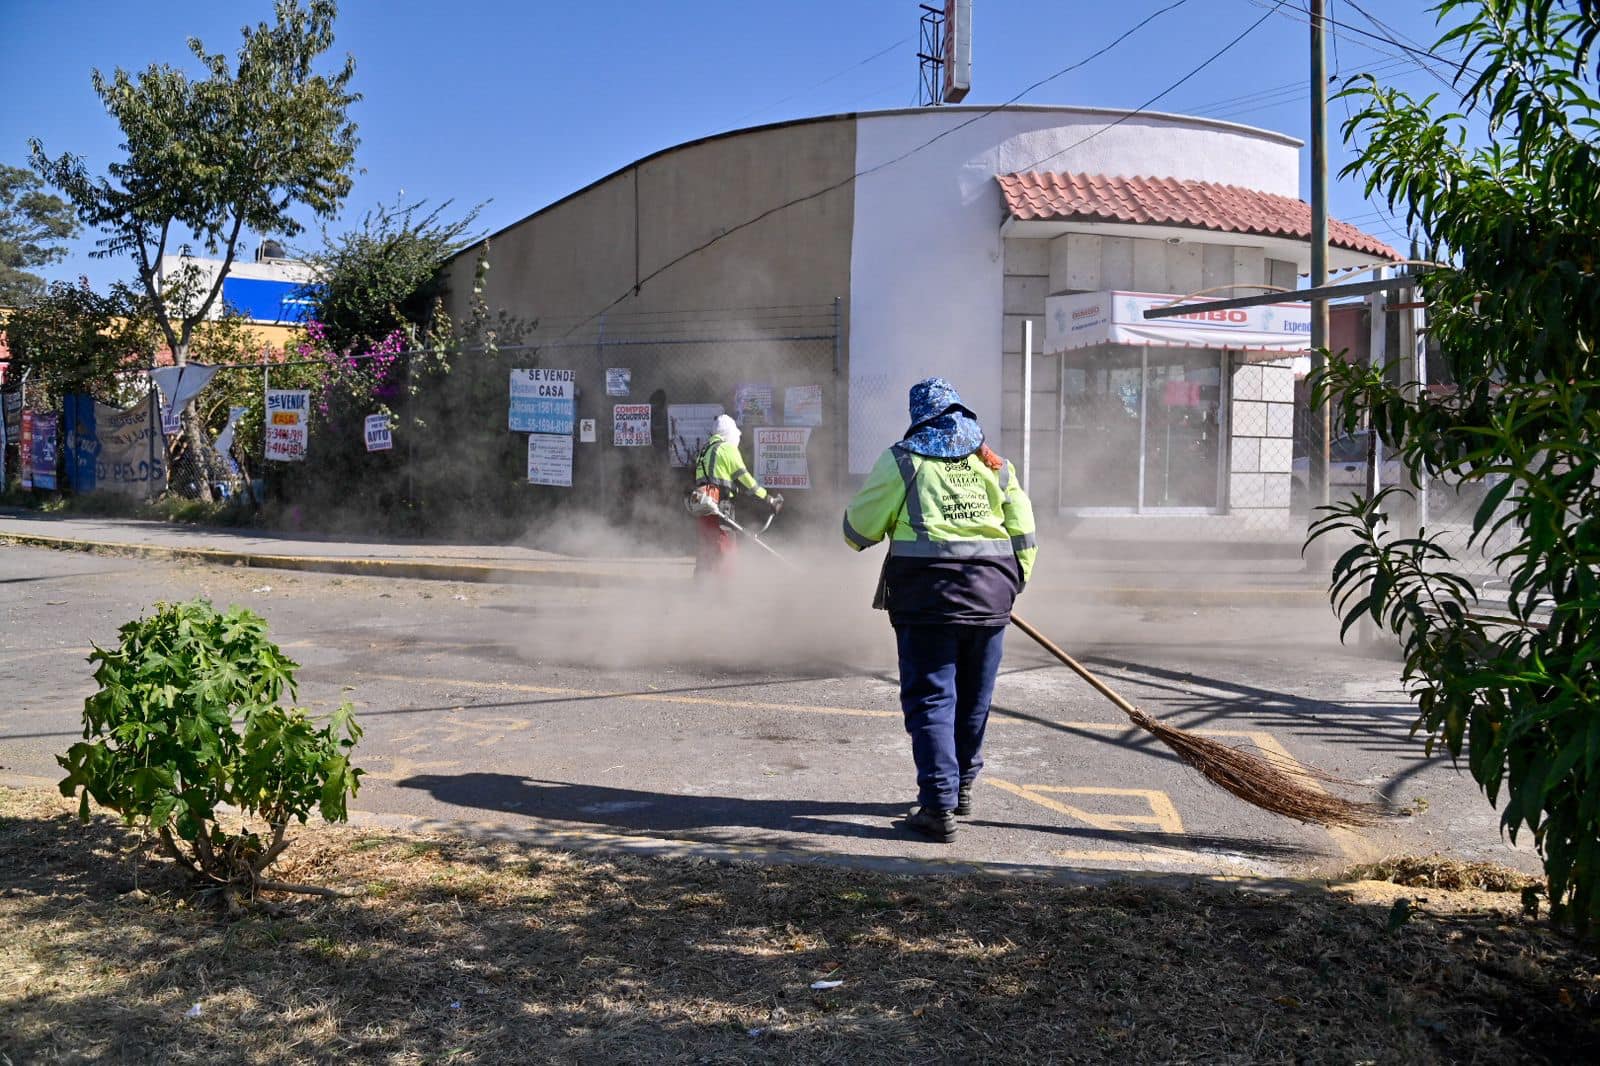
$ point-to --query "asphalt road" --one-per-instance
(769, 720)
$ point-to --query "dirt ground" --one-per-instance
(452, 950)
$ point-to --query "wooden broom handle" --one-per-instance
(1076, 667)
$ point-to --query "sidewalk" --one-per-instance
(1138, 582)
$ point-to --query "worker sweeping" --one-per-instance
(961, 546)
(719, 477)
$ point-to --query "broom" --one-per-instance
(1259, 781)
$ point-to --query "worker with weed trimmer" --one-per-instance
(719, 476)
(961, 546)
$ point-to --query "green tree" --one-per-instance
(384, 274)
(1517, 317)
(205, 160)
(33, 223)
(69, 338)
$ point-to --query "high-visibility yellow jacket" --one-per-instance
(720, 464)
(961, 535)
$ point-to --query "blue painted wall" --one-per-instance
(263, 300)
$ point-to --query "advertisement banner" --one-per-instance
(43, 451)
(25, 448)
(288, 429)
(379, 439)
(781, 457)
(802, 405)
(130, 458)
(619, 380)
(688, 428)
(543, 401)
(630, 425)
(1088, 319)
(550, 459)
(752, 403)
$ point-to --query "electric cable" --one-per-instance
(1212, 58)
(825, 81)
(844, 182)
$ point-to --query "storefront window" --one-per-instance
(1101, 402)
(1140, 429)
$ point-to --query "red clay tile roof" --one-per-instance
(1036, 196)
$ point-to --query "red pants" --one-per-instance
(716, 548)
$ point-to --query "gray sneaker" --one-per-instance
(936, 825)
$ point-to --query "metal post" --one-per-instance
(839, 428)
(1419, 340)
(1027, 403)
(1321, 421)
(1377, 353)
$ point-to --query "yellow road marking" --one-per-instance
(1162, 813)
(1347, 841)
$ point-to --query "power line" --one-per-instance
(830, 78)
(1291, 89)
(1419, 56)
(1212, 58)
(834, 187)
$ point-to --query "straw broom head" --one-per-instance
(1260, 781)
(1272, 785)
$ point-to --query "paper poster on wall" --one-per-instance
(586, 431)
(618, 381)
(802, 405)
(171, 422)
(43, 451)
(288, 430)
(550, 459)
(630, 425)
(781, 457)
(688, 428)
(379, 438)
(752, 404)
(543, 401)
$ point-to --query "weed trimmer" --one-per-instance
(755, 535)
(1259, 781)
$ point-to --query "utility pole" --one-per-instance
(1321, 420)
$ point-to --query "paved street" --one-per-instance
(772, 723)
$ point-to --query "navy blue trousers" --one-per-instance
(946, 681)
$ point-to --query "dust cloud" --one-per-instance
(808, 613)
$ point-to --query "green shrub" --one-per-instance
(187, 721)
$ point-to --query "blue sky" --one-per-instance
(520, 103)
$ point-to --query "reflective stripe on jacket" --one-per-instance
(948, 509)
(720, 464)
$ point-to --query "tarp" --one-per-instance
(180, 384)
(1086, 319)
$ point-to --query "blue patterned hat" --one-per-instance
(941, 427)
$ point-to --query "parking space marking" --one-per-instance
(1350, 843)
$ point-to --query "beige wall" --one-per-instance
(576, 257)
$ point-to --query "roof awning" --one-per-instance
(1086, 319)
(1043, 203)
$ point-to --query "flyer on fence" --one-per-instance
(288, 430)
(689, 426)
(630, 425)
(379, 439)
(619, 381)
(781, 457)
(752, 403)
(543, 401)
(802, 405)
(550, 459)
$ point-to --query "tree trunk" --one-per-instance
(193, 437)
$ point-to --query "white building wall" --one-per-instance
(928, 287)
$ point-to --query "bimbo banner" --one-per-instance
(1086, 319)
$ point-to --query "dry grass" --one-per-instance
(458, 951)
(1441, 871)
